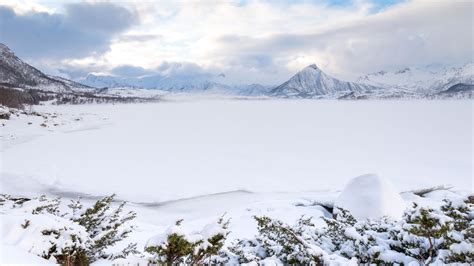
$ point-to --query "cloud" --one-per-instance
(130, 71)
(101, 17)
(139, 37)
(84, 29)
(251, 41)
(175, 70)
(183, 70)
(412, 33)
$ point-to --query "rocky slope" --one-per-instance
(22, 84)
(15, 73)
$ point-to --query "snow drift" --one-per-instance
(370, 196)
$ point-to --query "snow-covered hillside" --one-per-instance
(18, 74)
(22, 84)
(423, 79)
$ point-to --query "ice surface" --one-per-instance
(172, 150)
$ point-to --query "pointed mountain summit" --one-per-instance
(311, 81)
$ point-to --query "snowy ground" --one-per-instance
(199, 159)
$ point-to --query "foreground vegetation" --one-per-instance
(72, 234)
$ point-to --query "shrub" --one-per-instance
(426, 228)
(175, 247)
(72, 234)
(104, 226)
(286, 242)
(460, 240)
(424, 236)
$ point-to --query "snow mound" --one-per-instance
(370, 196)
(13, 255)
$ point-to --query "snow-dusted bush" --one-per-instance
(104, 226)
(426, 228)
(68, 234)
(73, 234)
(286, 242)
(246, 251)
(423, 236)
(461, 238)
(297, 244)
(176, 247)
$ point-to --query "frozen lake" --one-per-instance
(172, 150)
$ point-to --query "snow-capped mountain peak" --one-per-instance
(312, 66)
(311, 81)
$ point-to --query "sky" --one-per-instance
(248, 41)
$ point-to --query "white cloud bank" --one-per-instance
(267, 41)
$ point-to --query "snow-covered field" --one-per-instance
(198, 159)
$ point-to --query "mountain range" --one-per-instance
(421, 79)
(310, 82)
(175, 83)
(21, 83)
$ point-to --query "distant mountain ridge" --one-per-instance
(423, 79)
(311, 82)
(428, 82)
(154, 81)
(190, 83)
